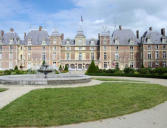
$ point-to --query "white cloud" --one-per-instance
(132, 14)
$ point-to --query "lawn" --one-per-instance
(53, 107)
(2, 89)
(115, 79)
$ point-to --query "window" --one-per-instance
(80, 48)
(104, 41)
(0, 48)
(92, 48)
(80, 56)
(11, 48)
(131, 56)
(43, 57)
(105, 48)
(156, 55)
(149, 47)
(164, 64)
(54, 48)
(92, 56)
(105, 56)
(11, 56)
(131, 48)
(67, 56)
(21, 57)
(68, 48)
(54, 56)
(43, 48)
(29, 56)
(164, 54)
(131, 65)
(116, 56)
(156, 47)
(105, 65)
(156, 64)
(117, 48)
(29, 48)
(0, 55)
(150, 64)
(164, 46)
(149, 55)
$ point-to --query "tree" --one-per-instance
(16, 68)
(66, 68)
(60, 68)
(92, 68)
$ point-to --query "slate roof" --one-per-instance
(124, 36)
(37, 37)
(11, 36)
(155, 37)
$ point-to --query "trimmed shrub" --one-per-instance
(66, 68)
(129, 70)
(16, 68)
(60, 68)
(92, 68)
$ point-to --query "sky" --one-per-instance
(65, 15)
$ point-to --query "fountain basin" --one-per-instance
(38, 79)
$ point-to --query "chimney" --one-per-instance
(40, 28)
(2, 33)
(120, 27)
(150, 29)
(99, 36)
(62, 36)
(11, 30)
(163, 32)
(137, 34)
(24, 35)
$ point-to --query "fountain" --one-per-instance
(45, 69)
(50, 78)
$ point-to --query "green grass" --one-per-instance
(53, 107)
(114, 79)
(2, 89)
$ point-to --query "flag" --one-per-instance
(81, 19)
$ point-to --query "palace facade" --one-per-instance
(121, 48)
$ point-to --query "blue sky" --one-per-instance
(64, 15)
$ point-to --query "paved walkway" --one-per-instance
(151, 118)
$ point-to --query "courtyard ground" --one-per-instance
(151, 118)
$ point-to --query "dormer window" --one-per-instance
(116, 41)
(148, 40)
(68, 42)
(54, 41)
(92, 42)
(29, 42)
(11, 41)
(131, 41)
(163, 40)
(43, 42)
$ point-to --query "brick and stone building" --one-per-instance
(122, 48)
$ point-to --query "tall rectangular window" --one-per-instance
(116, 56)
(131, 56)
(164, 54)
(131, 65)
(0, 48)
(149, 55)
(105, 56)
(29, 48)
(105, 65)
(80, 56)
(67, 56)
(43, 57)
(92, 56)
(156, 47)
(156, 55)
(149, 47)
(131, 48)
(150, 64)
(105, 48)
(164, 64)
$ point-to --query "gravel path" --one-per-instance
(152, 118)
